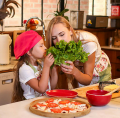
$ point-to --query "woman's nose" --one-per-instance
(58, 39)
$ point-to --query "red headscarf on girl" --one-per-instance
(25, 42)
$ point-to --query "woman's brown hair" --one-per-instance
(62, 20)
(56, 20)
(17, 90)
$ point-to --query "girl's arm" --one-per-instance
(42, 84)
(83, 78)
(54, 77)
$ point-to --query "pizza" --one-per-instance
(59, 105)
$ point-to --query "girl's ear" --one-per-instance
(71, 33)
(29, 53)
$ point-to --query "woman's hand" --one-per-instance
(68, 69)
(49, 59)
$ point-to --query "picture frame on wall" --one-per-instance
(76, 19)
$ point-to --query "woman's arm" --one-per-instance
(83, 78)
(42, 84)
(54, 77)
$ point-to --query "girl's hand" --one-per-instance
(49, 59)
(68, 69)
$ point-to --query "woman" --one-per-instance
(96, 69)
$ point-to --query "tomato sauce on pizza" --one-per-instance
(60, 106)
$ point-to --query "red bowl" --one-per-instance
(97, 98)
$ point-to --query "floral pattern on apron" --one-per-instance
(102, 70)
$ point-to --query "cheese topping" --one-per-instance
(110, 87)
(62, 107)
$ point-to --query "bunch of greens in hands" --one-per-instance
(71, 51)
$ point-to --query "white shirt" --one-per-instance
(91, 45)
(26, 73)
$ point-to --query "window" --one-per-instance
(29, 8)
(100, 7)
(44, 9)
(72, 5)
(49, 6)
(16, 20)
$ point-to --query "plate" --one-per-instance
(61, 93)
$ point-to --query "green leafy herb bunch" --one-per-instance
(71, 51)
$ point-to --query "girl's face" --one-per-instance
(60, 32)
(39, 50)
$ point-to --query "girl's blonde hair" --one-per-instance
(56, 20)
(17, 90)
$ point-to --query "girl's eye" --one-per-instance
(41, 45)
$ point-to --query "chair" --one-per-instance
(15, 34)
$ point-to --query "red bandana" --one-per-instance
(25, 42)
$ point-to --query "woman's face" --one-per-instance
(39, 50)
(60, 32)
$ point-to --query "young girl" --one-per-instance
(32, 78)
(96, 69)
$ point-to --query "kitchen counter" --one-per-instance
(8, 67)
(21, 109)
(110, 48)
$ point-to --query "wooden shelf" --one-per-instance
(98, 29)
(114, 17)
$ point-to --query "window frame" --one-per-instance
(22, 4)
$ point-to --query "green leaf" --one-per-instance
(71, 51)
(64, 11)
(57, 13)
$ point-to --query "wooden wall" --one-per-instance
(103, 34)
